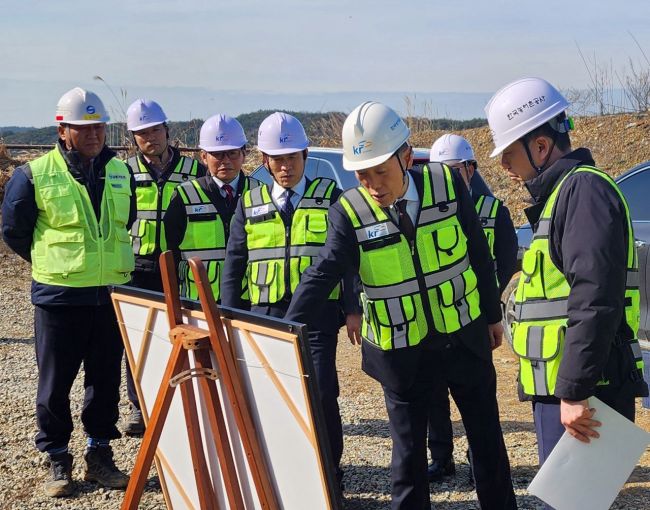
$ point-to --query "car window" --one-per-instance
(635, 188)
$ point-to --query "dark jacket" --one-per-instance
(236, 264)
(505, 246)
(588, 243)
(175, 219)
(19, 213)
(396, 369)
(149, 263)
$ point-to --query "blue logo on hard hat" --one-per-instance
(90, 109)
(220, 138)
(285, 139)
(395, 124)
(364, 145)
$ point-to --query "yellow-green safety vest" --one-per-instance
(148, 231)
(486, 209)
(541, 299)
(205, 237)
(70, 247)
(411, 287)
(278, 255)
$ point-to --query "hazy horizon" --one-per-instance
(198, 57)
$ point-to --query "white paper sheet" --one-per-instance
(577, 475)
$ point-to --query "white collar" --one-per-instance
(411, 194)
(298, 189)
(232, 184)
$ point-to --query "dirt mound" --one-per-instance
(618, 142)
(7, 165)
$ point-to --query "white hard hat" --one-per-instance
(221, 133)
(281, 133)
(520, 107)
(80, 107)
(451, 147)
(371, 134)
(143, 114)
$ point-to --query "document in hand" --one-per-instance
(590, 475)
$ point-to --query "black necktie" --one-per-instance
(287, 209)
(405, 223)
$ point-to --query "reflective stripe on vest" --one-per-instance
(205, 237)
(407, 287)
(486, 209)
(148, 231)
(541, 303)
(70, 246)
(275, 266)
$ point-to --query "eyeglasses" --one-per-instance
(232, 154)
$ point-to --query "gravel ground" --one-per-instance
(366, 457)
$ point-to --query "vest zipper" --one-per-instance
(287, 260)
(424, 292)
(157, 246)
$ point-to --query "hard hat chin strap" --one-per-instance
(539, 169)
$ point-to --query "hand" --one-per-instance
(353, 325)
(495, 332)
(576, 416)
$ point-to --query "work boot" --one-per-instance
(134, 423)
(439, 468)
(101, 468)
(60, 483)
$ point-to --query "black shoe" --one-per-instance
(440, 468)
(60, 482)
(101, 468)
(134, 423)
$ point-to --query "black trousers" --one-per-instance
(441, 436)
(472, 382)
(66, 337)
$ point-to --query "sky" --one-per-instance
(200, 57)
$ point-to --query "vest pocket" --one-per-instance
(449, 245)
(124, 261)
(316, 228)
(61, 207)
(532, 277)
(264, 276)
(538, 348)
(64, 252)
(457, 301)
(389, 321)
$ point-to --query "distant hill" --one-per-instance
(322, 128)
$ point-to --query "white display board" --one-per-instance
(274, 368)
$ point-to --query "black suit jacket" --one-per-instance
(396, 369)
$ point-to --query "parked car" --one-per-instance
(328, 162)
(635, 186)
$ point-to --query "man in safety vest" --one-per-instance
(577, 302)
(456, 152)
(197, 221)
(431, 312)
(275, 235)
(68, 213)
(158, 168)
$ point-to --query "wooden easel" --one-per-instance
(185, 339)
